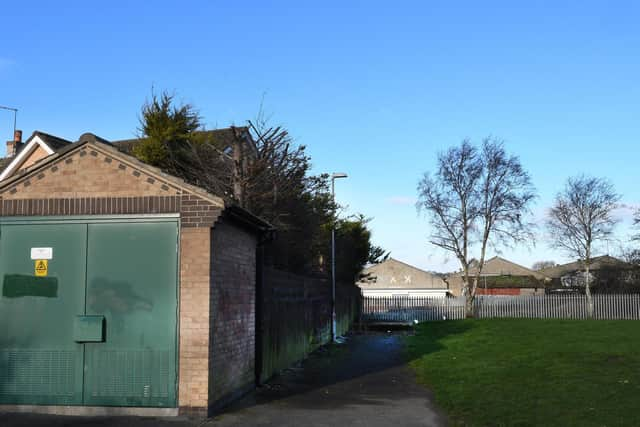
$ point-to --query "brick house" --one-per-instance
(137, 228)
(500, 276)
(605, 272)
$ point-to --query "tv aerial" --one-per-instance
(15, 115)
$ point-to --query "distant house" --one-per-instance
(40, 145)
(603, 269)
(393, 277)
(21, 155)
(500, 276)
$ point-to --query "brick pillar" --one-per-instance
(195, 250)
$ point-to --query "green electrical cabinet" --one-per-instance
(96, 324)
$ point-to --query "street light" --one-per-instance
(334, 176)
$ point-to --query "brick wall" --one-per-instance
(497, 291)
(195, 246)
(532, 291)
(37, 155)
(85, 172)
(455, 285)
(91, 182)
(232, 308)
(296, 317)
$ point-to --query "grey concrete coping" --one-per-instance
(91, 410)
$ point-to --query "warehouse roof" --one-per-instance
(394, 274)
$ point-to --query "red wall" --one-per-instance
(497, 291)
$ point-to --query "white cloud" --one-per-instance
(626, 211)
(402, 200)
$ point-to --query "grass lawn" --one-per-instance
(522, 372)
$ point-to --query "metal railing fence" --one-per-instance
(423, 309)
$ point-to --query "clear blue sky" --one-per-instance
(374, 89)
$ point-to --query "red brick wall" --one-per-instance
(497, 291)
(232, 308)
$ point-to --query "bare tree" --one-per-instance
(581, 217)
(203, 163)
(476, 197)
(541, 265)
(630, 255)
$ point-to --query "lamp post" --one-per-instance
(334, 176)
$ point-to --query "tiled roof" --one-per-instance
(4, 162)
(54, 142)
(498, 266)
(394, 274)
(597, 263)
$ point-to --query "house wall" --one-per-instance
(532, 291)
(511, 291)
(37, 155)
(232, 307)
(455, 285)
(498, 291)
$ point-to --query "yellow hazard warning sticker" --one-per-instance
(41, 267)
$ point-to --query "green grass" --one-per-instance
(529, 372)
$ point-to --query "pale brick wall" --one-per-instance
(232, 345)
(89, 172)
(532, 291)
(195, 246)
(455, 285)
(217, 265)
(37, 155)
(92, 182)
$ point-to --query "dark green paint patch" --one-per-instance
(88, 329)
(22, 285)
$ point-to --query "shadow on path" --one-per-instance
(363, 382)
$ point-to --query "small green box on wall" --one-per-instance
(88, 329)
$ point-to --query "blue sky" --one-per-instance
(374, 89)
